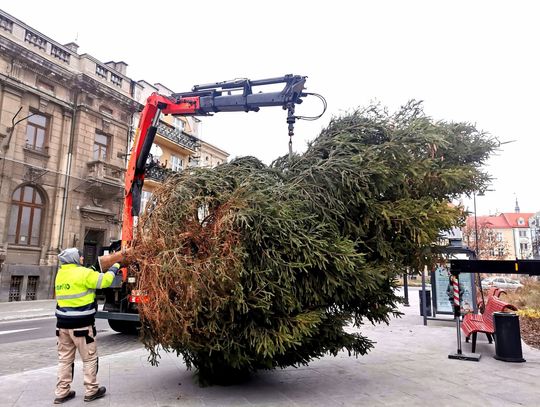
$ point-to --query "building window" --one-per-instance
(101, 72)
(499, 237)
(6, 24)
(101, 143)
(36, 129)
(178, 123)
(25, 218)
(177, 163)
(31, 288)
(500, 251)
(522, 233)
(116, 80)
(36, 40)
(15, 288)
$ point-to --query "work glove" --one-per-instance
(115, 268)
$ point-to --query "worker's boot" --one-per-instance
(97, 395)
(69, 396)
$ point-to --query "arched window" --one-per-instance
(25, 218)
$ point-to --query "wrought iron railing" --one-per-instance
(15, 288)
(156, 171)
(178, 136)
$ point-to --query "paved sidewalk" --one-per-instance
(409, 366)
(10, 311)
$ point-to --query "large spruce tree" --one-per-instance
(256, 267)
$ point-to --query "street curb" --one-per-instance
(26, 317)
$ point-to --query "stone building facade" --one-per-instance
(65, 126)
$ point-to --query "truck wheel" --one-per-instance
(124, 327)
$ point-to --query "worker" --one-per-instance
(76, 306)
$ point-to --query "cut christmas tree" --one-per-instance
(254, 267)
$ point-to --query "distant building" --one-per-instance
(503, 236)
(210, 155)
(534, 225)
(64, 130)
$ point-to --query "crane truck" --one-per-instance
(240, 95)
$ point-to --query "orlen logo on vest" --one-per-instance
(64, 286)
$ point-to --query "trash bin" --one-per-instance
(428, 302)
(507, 337)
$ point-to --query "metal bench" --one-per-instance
(474, 323)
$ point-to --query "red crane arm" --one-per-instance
(202, 100)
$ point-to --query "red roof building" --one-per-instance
(503, 236)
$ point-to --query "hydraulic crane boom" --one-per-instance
(202, 100)
(122, 299)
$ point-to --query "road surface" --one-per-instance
(29, 344)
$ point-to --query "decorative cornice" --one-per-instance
(89, 84)
(35, 62)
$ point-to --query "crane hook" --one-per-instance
(291, 119)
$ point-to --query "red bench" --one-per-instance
(493, 291)
(474, 323)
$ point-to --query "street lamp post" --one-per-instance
(476, 250)
(475, 227)
(406, 288)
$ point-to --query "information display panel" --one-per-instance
(440, 288)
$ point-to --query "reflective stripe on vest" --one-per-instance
(72, 296)
(70, 313)
(84, 310)
(99, 280)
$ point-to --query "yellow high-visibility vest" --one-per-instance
(75, 289)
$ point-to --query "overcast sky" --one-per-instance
(475, 61)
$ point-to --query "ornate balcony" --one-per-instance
(178, 136)
(104, 178)
(105, 172)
